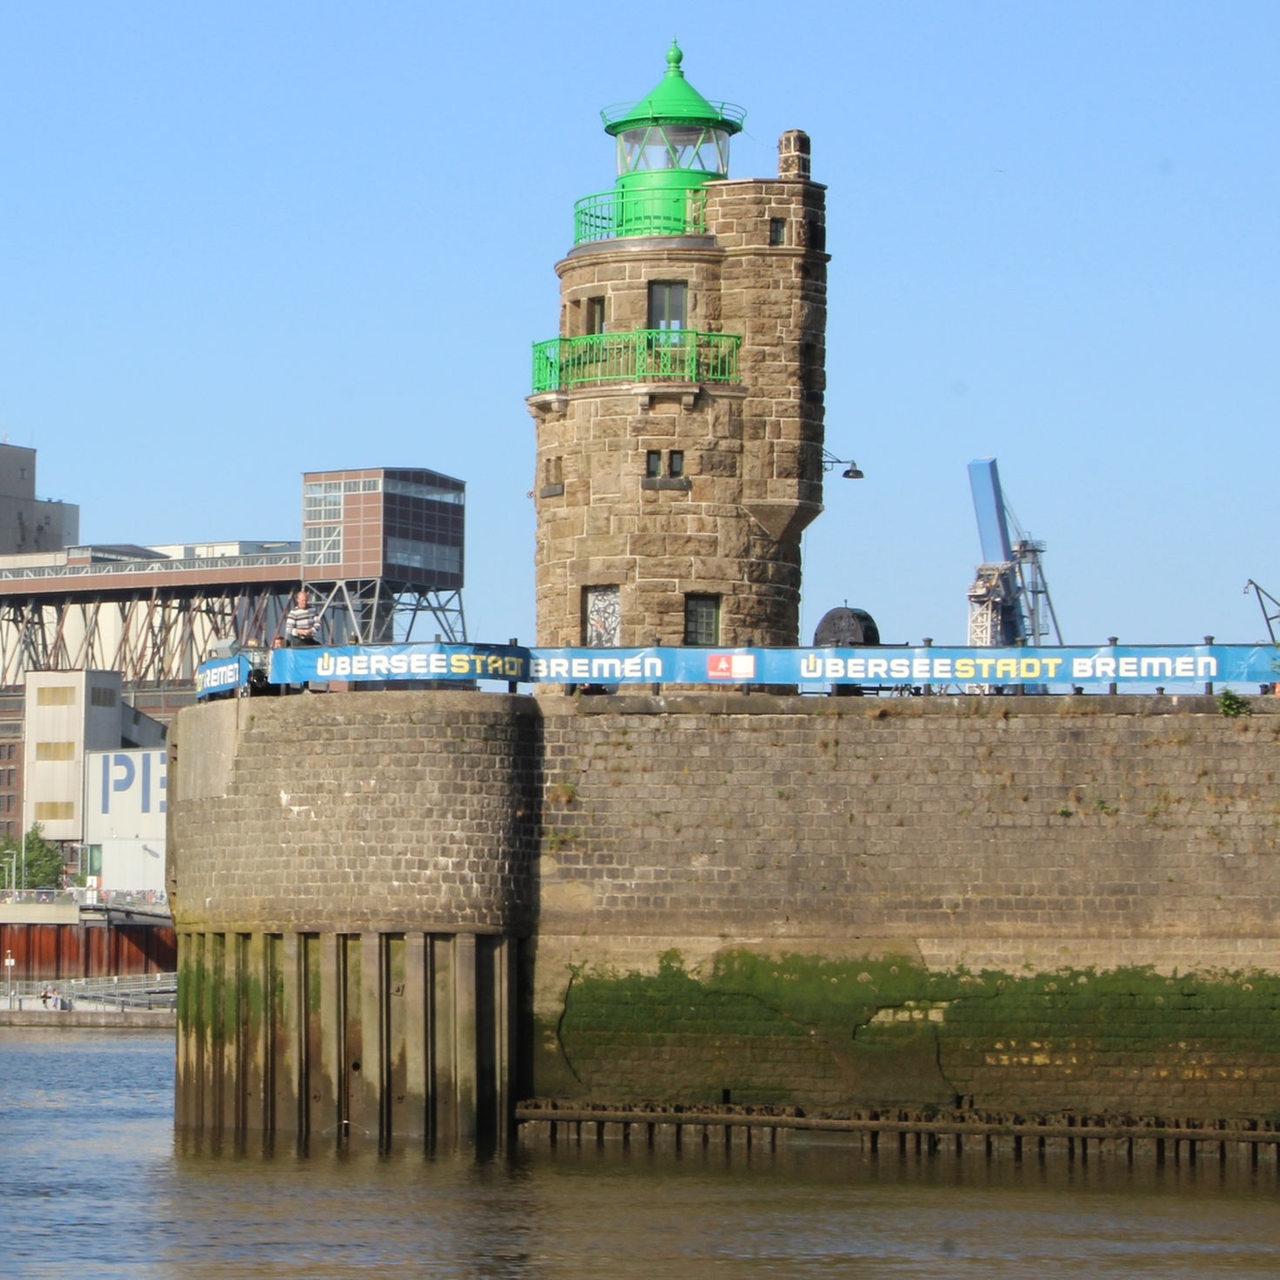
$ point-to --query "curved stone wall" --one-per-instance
(345, 812)
(350, 875)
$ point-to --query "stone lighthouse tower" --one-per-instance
(680, 410)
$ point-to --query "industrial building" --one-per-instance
(123, 628)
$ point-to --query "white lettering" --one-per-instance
(219, 677)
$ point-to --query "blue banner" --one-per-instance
(907, 667)
(222, 676)
(400, 662)
(1093, 669)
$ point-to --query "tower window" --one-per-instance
(601, 616)
(668, 304)
(653, 463)
(552, 478)
(777, 231)
(595, 315)
(701, 620)
(675, 462)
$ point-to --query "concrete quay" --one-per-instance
(86, 1015)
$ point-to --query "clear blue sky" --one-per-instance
(242, 241)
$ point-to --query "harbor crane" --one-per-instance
(1009, 602)
(1267, 603)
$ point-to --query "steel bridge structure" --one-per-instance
(381, 554)
(156, 620)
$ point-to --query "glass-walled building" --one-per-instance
(396, 523)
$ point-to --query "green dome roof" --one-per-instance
(673, 101)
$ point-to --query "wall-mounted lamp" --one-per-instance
(851, 469)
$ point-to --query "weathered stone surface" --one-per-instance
(753, 503)
(1036, 903)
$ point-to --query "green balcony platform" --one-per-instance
(645, 355)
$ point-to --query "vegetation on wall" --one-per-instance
(840, 1034)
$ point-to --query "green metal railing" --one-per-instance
(646, 355)
(611, 215)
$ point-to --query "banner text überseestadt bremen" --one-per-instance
(908, 666)
(1093, 669)
(401, 662)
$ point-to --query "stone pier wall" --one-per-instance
(349, 878)
(1024, 905)
(1005, 903)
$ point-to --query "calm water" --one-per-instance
(94, 1185)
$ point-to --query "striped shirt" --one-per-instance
(303, 620)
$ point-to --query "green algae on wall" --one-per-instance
(884, 1032)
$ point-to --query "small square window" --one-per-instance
(653, 463)
(701, 620)
(675, 462)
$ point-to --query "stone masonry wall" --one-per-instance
(1014, 903)
(729, 524)
(342, 812)
(1024, 904)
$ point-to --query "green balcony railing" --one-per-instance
(645, 355)
(611, 215)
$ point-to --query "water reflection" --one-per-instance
(94, 1182)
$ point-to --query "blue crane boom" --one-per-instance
(1009, 600)
(988, 506)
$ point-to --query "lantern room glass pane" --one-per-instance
(673, 146)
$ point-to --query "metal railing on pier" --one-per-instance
(130, 992)
(141, 899)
